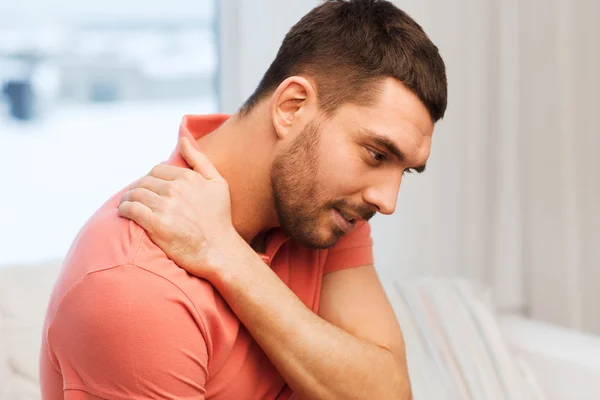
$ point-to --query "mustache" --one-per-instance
(364, 211)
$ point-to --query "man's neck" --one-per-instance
(242, 151)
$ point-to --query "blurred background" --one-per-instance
(93, 93)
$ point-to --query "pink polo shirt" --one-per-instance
(124, 322)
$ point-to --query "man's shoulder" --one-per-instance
(122, 282)
(135, 297)
(131, 321)
(107, 241)
(113, 256)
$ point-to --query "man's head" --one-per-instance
(353, 95)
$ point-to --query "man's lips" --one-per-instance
(342, 221)
(357, 215)
(349, 216)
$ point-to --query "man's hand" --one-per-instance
(187, 213)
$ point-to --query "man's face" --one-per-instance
(346, 168)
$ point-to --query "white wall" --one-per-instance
(250, 35)
(560, 87)
(18, 13)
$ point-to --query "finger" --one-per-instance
(138, 213)
(154, 184)
(168, 172)
(198, 160)
(144, 196)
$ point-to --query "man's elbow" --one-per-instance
(399, 387)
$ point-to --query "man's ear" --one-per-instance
(293, 105)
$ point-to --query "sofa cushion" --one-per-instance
(24, 294)
(454, 344)
(4, 370)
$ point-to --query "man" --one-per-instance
(242, 268)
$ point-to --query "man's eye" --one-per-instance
(409, 171)
(378, 157)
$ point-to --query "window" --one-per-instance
(92, 97)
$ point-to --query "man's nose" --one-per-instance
(383, 196)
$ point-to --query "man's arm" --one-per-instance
(318, 359)
(125, 333)
(354, 300)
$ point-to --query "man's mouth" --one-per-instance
(346, 216)
(344, 221)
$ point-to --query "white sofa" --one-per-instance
(566, 364)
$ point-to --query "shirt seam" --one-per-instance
(47, 333)
(202, 322)
(137, 250)
(206, 335)
(95, 392)
(58, 307)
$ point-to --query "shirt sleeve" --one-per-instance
(125, 333)
(353, 250)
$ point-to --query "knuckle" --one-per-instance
(170, 206)
(127, 210)
(155, 170)
(143, 182)
(126, 196)
(160, 223)
(123, 208)
(171, 189)
(135, 194)
(156, 204)
(154, 223)
(190, 175)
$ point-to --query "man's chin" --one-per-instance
(321, 240)
(323, 244)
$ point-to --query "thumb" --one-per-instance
(198, 160)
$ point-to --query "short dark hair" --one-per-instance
(348, 47)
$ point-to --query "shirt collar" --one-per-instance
(194, 127)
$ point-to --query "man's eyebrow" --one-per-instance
(391, 147)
